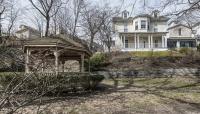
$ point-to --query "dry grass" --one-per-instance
(143, 96)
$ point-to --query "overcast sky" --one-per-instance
(27, 14)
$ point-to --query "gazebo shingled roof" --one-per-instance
(59, 41)
(63, 48)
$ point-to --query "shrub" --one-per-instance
(97, 61)
(198, 48)
(185, 50)
(13, 59)
(45, 83)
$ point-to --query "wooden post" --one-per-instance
(27, 61)
(82, 63)
(89, 65)
(56, 62)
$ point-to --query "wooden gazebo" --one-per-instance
(57, 49)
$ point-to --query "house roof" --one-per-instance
(178, 26)
(121, 19)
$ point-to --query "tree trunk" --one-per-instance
(0, 26)
(47, 26)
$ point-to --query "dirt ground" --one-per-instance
(128, 96)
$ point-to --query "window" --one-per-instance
(112, 43)
(143, 24)
(155, 29)
(125, 27)
(179, 31)
(156, 43)
(126, 43)
(136, 25)
(125, 15)
(148, 25)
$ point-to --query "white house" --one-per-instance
(180, 36)
(26, 32)
(140, 33)
(196, 31)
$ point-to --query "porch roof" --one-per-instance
(181, 38)
(143, 32)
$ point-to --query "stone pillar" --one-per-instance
(149, 41)
(82, 69)
(27, 70)
(135, 40)
(56, 62)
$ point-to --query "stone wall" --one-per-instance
(186, 72)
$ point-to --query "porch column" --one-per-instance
(82, 69)
(135, 40)
(121, 39)
(166, 43)
(163, 41)
(178, 44)
(56, 62)
(149, 41)
(27, 61)
(124, 42)
(138, 41)
(152, 45)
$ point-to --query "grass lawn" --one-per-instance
(130, 96)
(155, 53)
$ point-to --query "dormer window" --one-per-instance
(125, 14)
(179, 31)
(143, 24)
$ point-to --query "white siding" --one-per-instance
(185, 32)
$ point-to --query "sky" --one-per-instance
(27, 12)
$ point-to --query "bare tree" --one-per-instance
(93, 18)
(12, 17)
(78, 6)
(2, 10)
(106, 30)
(47, 8)
(39, 24)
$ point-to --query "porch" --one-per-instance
(181, 43)
(143, 41)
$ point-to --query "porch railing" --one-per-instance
(143, 45)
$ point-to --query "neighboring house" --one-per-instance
(140, 33)
(180, 36)
(27, 32)
(196, 31)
